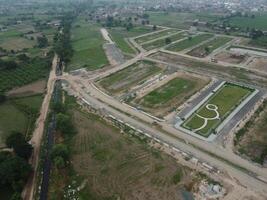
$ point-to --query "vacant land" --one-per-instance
(224, 101)
(87, 43)
(209, 47)
(156, 35)
(257, 22)
(121, 81)
(251, 140)
(259, 63)
(180, 19)
(162, 42)
(119, 36)
(18, 114)
(190, 42)
(111, 165)
(232, 58)
(169, 96)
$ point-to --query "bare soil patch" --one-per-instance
(258, 63)
(231, 58)
(37, 87)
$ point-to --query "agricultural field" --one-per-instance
(171, 95)
(179, 19)
(209, 116)
(119, 36)
(24, 74)
(114, 165)
(123, 80)
(209, 47)
(162, 42)
(259, 22)
(19, 114)
(154, 36)
(251, 140)
(189, 42)
(87, 42)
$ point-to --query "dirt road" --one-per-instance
(28, 191)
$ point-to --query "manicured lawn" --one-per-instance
(120, 34)
(122, 80)
(217, 42)
(162, 42)
(226, 99)
(173, 88)
(18, 115)
(190, 42)
(87, 43)
(259, 22)
(155, 35)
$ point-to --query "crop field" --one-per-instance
(87, 44)
(209, 116)
(259, 22)
(121, 81)
(118, 166)
(209, 47)
(190, 42)
(119, 36)
(155, 35)
(22, 75)
(171, 95)
(18, 114)
(162, 42)
(251, 140)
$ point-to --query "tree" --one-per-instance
(21, 147)
(42, 41)
(64, 124)
(154, 27)
(207, 49)
(168, 40)
(2, 97)
(60, 155)
(59, 162)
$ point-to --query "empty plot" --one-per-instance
(171, 95)
(209, 47)
(121, 81)
(162, 42)
(190, 42)
(155, 35)
(208, 117)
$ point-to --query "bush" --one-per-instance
(177, 177)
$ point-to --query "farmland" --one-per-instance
(216, 109)
(126, 78)
(171, 95)
(190, 42)
(87, 44)
(155, 35)
(18, 114)
(162, 42)
(209, 47)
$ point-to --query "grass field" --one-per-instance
(161, 42)
(209, 47)
(120, 34)
(226, 99)
(112, 165)
(178, 19)
(121, 81)
(190, 42)
(18, 115)
(87, 42)
(259, 22)
(155, 35)
(260, 42)
(170, 95)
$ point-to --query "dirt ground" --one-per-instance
(228, 58)
(258, 63)
(117, 166)
(172, 104)
(37, 87)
